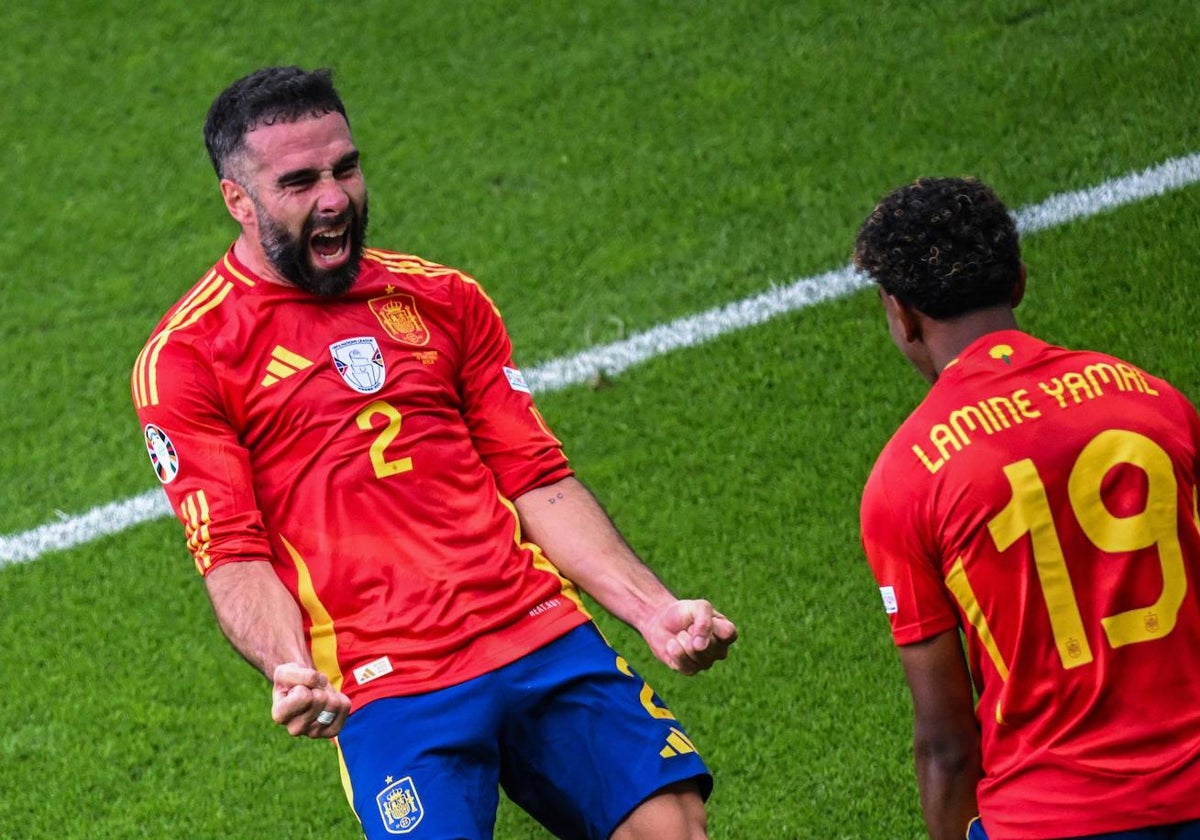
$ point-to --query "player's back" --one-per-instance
(1055, 491)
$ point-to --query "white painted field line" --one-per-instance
(611, 359)
(696, 329)
(70, 531)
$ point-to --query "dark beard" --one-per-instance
(289, 254)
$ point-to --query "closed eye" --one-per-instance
(297, 180)
(347, 167)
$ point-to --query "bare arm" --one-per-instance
(946, 745)
(262, 622)
(567, 521)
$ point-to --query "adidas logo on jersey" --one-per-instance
(282, 365)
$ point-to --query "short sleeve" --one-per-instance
(909, 575)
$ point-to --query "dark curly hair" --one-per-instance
(265, 97)
(944, 246)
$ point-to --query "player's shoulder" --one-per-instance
(207, 304)
(891, 471)
(409, 272)
(401, 264)
(1110, 373)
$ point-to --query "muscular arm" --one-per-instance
(569, 524)
(257, 614)
(945, 733)
(262, 622)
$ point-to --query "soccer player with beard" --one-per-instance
(1042, 502)
(387, 528)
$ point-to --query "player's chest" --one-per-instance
(302, 364)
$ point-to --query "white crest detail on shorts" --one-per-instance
(360, 362)
(399, 806)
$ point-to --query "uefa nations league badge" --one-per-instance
(399, 806)
(360, 363)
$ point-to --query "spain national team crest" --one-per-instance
(398, 314)
(399, 806)
(162, 453)
(360, 362)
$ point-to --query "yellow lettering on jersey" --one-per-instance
(1129, 381)
(932, 466)
(1024, 405)
(996, 414)
(1147, 388)
(963, 425)
(1099, 374)
(383, 466)
(1078, 386)
(942, 436)
(1088, 384)
(968, 419)
(1054, 388)
(1156, 525)
(1000, 405)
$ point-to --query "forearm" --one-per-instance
(258, 615)
(567, 522)
(579, 538)
(946, 744)
(947, 776)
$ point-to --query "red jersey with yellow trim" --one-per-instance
(1044, 500)
(367, 446)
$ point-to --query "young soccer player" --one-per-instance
(1042, 502)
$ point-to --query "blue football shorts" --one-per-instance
(1178, 831)
(571, 733)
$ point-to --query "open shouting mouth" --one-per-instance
(330, 246)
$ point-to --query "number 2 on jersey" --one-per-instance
(1028, 512)
(379, 459)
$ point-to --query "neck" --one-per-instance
(947, 339)
(250, 254)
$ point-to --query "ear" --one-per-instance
(905, 316)
(1018, 292)
(238, 202)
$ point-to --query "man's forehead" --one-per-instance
(303, 143)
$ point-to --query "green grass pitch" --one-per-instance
(600, 167)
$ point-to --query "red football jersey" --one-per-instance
(367, 446)
(1044, 500)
